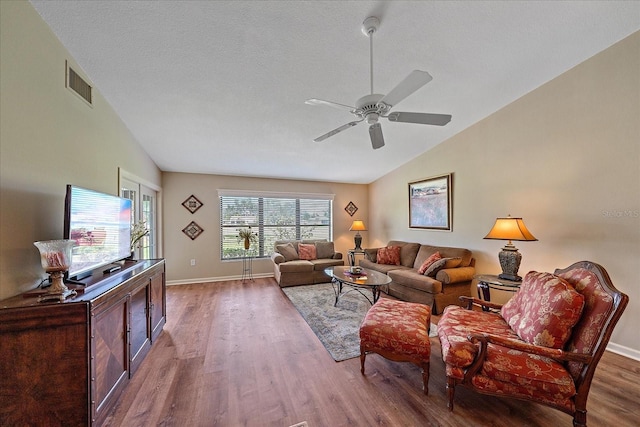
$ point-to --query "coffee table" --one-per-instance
(367, 279)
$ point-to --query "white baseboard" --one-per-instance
(624, 351)
(214, 279)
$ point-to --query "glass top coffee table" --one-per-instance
(366, 280)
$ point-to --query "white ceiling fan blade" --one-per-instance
(375, 132)
(337, 130)
(314, 101)
(410, 84)
(420, 118)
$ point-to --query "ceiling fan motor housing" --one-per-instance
(368, 107)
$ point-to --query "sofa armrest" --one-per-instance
(455, 275)
(277, 258)
(337, 255)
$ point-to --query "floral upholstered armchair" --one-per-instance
(543, 345)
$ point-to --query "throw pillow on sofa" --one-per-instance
(288, 251)
(389, 255)
(324, 250)
(428, 262)
(307, 251)
(544, 310)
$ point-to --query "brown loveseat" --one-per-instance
(437, 291)
(290, 270)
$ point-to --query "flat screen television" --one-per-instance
(100, 226)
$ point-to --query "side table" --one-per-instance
(486, 282)
(351, 254)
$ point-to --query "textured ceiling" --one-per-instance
(219, 87)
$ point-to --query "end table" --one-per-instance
(486, 282)
(351, 254)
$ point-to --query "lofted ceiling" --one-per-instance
(218, 87)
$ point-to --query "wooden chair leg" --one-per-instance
(425, 377)
(451, 389)
(580, 418)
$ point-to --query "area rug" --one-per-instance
(336, 327)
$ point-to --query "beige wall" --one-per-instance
(180, 249)
(48, 138)
(565, 157)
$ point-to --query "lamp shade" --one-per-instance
(358, 226)
(510, 229)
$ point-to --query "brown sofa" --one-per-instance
(290, 270)
(409, 285)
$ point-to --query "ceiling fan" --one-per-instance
(371, 107)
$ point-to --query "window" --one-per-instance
(272, 217)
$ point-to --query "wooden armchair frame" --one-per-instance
(584, 361)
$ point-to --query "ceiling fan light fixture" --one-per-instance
(372, 118)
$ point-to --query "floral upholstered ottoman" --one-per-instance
(398, 331)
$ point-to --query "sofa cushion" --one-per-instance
(382, 268)
(321, 263)
(412, 279)
(307, 251)
(526, 375)
(544, 310)
(296, 266)
(389, 255)
(457, 323)
(288, 251)
(408, 251)
(429, 262)
(324, 249)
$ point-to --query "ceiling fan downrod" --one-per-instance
(370, 26)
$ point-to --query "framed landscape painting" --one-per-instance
(430, 203)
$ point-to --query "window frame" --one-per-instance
(264, 249)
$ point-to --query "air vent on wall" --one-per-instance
(78, 85)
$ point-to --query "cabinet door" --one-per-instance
(158, 304)
(110, 370)
(140, 327)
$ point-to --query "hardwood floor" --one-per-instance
(236, 354)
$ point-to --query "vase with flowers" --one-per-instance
(247, 236)
(138, 231)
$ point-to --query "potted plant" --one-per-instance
(247, 236)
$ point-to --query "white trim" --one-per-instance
(624, 351)
(214, 279)
(128, 175)
(275, 194)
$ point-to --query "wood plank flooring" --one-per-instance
(235, 354)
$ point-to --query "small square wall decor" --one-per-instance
(351, 208)
(192, 204)
(193, 230)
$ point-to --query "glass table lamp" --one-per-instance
(55, 256)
